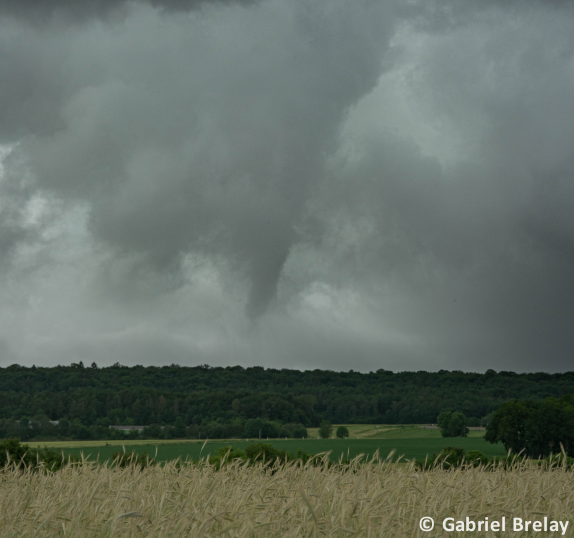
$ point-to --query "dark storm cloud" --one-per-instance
(387, 183)
(223, 162)
(483, 247)
(493, 270)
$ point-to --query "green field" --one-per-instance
(410, 441)
(356, 431)
(409, 448)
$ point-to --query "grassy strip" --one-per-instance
(111, 443)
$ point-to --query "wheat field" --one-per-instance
(377, 499)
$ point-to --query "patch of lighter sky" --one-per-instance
(36, 208)
(217, 317)
(399, 106)
(350, 311)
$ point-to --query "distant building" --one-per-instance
(127, 428)
(30, 425)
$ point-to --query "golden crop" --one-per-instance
(379, 499)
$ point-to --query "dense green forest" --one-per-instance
(203, 401)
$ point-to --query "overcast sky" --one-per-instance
(294, 184)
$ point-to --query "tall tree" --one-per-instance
(452, 424)
(325, 429)
(342, 432)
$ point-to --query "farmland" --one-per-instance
(390, 431)
(408, 441)
(381, 499)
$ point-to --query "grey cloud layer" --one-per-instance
(217, 145)
(222, 137)
(73, 11)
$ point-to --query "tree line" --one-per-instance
(219, 402)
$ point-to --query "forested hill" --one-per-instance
(146, 395)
